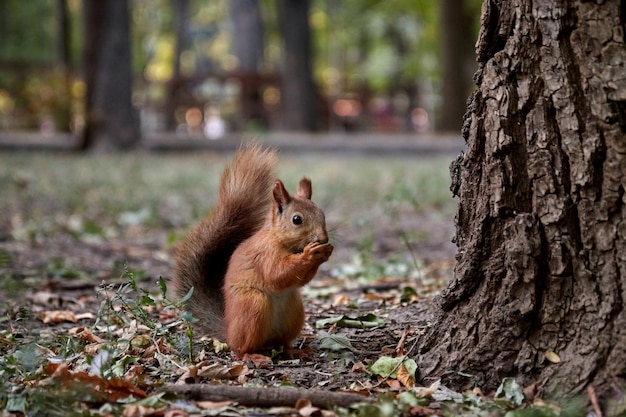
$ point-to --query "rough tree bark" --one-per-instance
(541, 221)
(111, 122)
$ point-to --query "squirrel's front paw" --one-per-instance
(319, 252)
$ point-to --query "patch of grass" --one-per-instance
(92, 198)
(96, 370)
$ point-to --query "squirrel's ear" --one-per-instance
(304, 188)
(281, 196)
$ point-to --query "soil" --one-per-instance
(63, 273)
(107, 260)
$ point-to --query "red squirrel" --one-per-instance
(248, 258)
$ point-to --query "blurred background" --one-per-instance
(121, 71)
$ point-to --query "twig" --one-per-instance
(591, 392)
(265, 397)
(400, 345)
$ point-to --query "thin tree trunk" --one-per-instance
(248, 34)
(65, 60)
(298, 94)
(540, 283)
(177, 85)
(458, 62)
(111, 122)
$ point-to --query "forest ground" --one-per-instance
(86, 239)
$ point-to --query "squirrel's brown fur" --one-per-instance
(247, 259)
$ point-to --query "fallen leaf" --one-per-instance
(213, 405)
(57, 316)
(509, 393)
(425, 392)
(386, 366)
(375, 296)
(393, 384)
(175, 413)
(220, 371)
(359, 367)
(85, 316)
(84, 333)
(93, 387)
(334, 342)
(45, 298)
(367, 321)
(341, 299)
(135, 410)
(405, 377)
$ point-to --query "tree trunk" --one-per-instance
(177, 85)
(64, 117)
(458, 63)
(248, 34)
(298, 95)
(540, 282)
(111, 123)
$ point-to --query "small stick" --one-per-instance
(591, 392)
(400, 351)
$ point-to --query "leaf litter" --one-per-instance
(96, 335)
(118, 348)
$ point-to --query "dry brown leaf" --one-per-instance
(57, 316)
(84, 333)
(136, 374)
(93, 348)
(393, 383)
(341, 299)
(426, 392)
(405, 377)
(45, 298)
(219, 371)
(109, 390)
(359, 367)
(189, 376)
(306, 409)
(375, 296)
(213, 405)
(175, 413)
(85, 316)
(310, 411)
(135, 410)
(302, 402)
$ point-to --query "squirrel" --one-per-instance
(248, 258)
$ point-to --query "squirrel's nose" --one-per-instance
(322, 238)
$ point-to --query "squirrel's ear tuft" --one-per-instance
(305, 188)
(281, 196)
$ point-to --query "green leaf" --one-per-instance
(16, 403)
(367, 321)
(162, 286)
(186, 296)
(409, 398)
(387, 366)
(147, 300)
(509, 393)
(188, 317)
(334, 342)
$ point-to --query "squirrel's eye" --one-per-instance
(296, 219)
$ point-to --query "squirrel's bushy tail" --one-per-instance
(202, 258)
